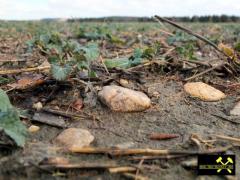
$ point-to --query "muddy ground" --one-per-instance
(172, 112)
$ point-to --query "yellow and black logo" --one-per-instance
(216, 164)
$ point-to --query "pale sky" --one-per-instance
(37, 9)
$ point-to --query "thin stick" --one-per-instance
(13, 60)
(122, 169)
(235, 140)
(192, 33)
(158, 157)
(70, 115)
(204, 72)
(153, 152)
(16, 71)
(104, 65)
(80, 166)
(133, 176)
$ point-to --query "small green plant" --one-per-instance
(185, 45)
(186, 51)
(66, 56)
(126, 62)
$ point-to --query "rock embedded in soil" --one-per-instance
(33, 129)
(124, 100)
(236, 110)
(38, 106)
(203, 91)
(74, 138)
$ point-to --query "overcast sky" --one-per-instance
(37, 9)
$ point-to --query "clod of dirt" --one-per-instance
(203, 91)
(74, 138)
(124, 100)
(236, 110)
(33, 129)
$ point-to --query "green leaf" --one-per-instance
(137, 57)
(54, 59)
(44, 38)
(82, 65)
(10, 122)
(92, 74)
(118, 62)
(149, 53)
(137, 53)
(60, 73)
(4, 102)
(114, 39)
(237, 46)
(91, 51)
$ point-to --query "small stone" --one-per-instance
(156, 94)
(123, 82)
(236, 110)
(33, 129)
(38, 106)
(74, 138)
(203, 91)
(124, 100)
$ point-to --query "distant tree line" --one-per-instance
(213, 18)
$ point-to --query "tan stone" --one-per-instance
(33, 129)
(38, 106)
(124, 100)
(203, 91)
(74, 138)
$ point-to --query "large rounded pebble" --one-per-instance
(203, 91)
(122, 99)
(74, 138)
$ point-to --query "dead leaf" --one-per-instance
(26, 83)
(77, 104)
(228, 51)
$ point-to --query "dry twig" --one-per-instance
(122, 169)
(232, 139)
(153, 152)
(16, 71)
